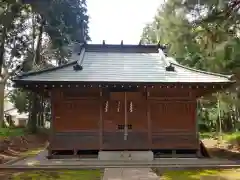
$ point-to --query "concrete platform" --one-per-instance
(41, 162)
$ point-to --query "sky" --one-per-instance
(116, 20)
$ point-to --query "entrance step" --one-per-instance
(126, 155)
(129, 174)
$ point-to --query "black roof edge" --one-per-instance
(122, 82)
(126, 45)
(229, 77)
(139, 48)
(43, 70)
(82, 51)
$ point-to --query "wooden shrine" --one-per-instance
(123, 97)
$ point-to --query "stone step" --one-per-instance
(126, 155)
(129, 174)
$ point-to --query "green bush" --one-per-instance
(11, 132)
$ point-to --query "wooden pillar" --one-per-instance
(196, 123)
(149, 121)
(125, 117)
(53, 117)
(101, 120)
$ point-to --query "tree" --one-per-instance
(62, 23)
(204, 35)
(13, 43)
(57, 22)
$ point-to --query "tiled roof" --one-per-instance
(123, 66)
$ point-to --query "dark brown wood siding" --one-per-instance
(76, 119)
(170, 115)
(173, 124)
(156, 118)
(173, 119)
(76, 113)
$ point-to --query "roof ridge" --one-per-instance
(81, 58)
(205, 72)
(163, 57)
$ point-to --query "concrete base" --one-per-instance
(129, 174)
(126, 155)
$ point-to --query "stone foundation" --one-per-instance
(126, 155)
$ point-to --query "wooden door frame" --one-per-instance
(101, 120)
(125, 120)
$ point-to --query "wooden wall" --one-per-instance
(159, 119)
(75, 118)
(173, 119)
(76, 110)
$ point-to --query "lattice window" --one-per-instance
(129, 126)
(122, 126)
(106, 107)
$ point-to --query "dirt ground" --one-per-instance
(15, 147)
(12, 148)
(222, 149)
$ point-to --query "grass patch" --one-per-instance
(225, 136)
(232, 174)
(63, 175)
(11, 132)
(231, 136)
(207, 135)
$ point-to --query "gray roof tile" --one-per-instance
(125, 67)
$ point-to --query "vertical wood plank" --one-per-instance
(195, 109)
(149, 120)
(101, 120)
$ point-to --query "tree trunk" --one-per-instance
(2, 49)
(2, 83)
(32, 125)
(2, 88)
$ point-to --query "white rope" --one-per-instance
(131, 107)
(118, 106)
(106, 106)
